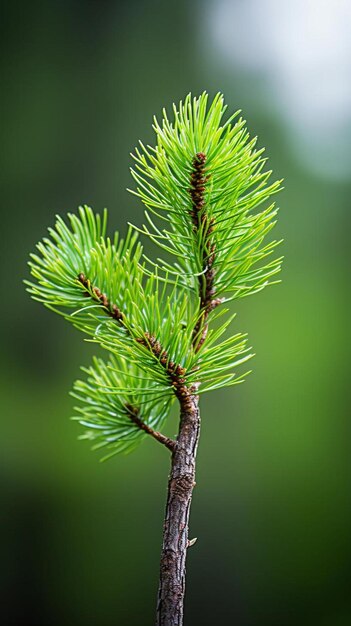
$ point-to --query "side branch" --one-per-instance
(133, 413)
(176, 373)
(203, 226)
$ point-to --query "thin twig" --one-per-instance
(133, 413)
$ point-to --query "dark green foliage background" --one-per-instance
(81, 540)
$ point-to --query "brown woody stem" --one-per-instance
(175, 535)
(182, 477)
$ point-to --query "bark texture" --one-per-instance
(175, 537)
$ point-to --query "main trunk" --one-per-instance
(175, 537)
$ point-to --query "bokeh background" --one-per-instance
(80, 540)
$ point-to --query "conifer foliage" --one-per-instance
(164, 324)
(203, 182)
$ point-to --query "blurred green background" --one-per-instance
(81, 540)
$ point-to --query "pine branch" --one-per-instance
(209, 208)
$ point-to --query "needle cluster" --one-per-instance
(164, 324)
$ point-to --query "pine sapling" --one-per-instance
(165, 324)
